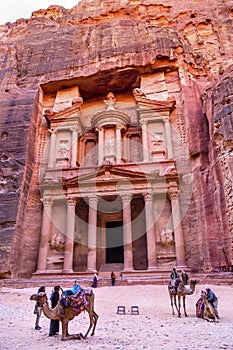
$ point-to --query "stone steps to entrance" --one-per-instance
(85, 281)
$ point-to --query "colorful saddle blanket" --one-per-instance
(199, 311)
(79, 302)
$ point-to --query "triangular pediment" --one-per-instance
(106, 174)
(155, 104)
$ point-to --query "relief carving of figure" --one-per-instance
(109, 147)
(63, 149)
(166, 237)
(158, 139)
(110, 101)
(57, 242)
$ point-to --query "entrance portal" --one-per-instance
(114, 242)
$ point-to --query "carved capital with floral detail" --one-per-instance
(173, 194)
(148, 196)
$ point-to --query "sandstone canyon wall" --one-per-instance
(171, 49)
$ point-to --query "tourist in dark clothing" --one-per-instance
(173, 276)
(213, 300)
(38, 310)
(95, 281)
(113, 278)
(184, 277)
(54, 324)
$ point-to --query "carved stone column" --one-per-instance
(52, 148)
(127, 227)
(92, 230)
(100, 146)
(178, 232)
(150, 231)
(168, 137)
(118, 144)
(145, 141)
(69, 241)
(44, 236)
(74, 147)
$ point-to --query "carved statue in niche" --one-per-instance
(159, 150)
(57, 242)
(135, 152)
(90, 158)
(166, 237)
(109, 147)
(110, 101)
(63, 149)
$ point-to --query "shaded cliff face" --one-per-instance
(111, 45)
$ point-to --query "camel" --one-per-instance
(66, 314)
(208, 313)
(181, 291)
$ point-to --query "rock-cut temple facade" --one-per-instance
(110, 186)
(117, 139)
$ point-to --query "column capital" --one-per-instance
(166, 118)
(119, 127)
(71, 201)
(74, 128)
(93, 201)
(148, 196)
(126, 197)
(47, 201)
(99, 128)
(53, 131)
(143, 122)
(173, 194)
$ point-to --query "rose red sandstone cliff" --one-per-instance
(183, 47)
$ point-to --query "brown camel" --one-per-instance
(208, 313)
(180, 291)
(66, 314)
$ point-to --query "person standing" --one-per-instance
(113, 278)
(95, 281)
(184, 277)
(38, 310)
(54, 324)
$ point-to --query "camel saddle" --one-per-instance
(77, 302)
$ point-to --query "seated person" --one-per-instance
(173, 277)
(213, 300)
(73, 291)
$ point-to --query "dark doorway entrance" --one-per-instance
(114, 242)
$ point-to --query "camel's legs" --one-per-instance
(95, 316)
(184, 307)
(171, 297)
(90, 312)
(179, 314)
(65, 334)
(178, 309)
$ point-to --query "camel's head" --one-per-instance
(194, 282)
(41, 298)
(204, 294)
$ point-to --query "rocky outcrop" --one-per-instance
(180, 49)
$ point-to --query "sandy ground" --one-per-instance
(154, 328)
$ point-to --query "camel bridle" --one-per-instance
(42, 304)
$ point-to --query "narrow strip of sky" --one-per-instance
(11, 10)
